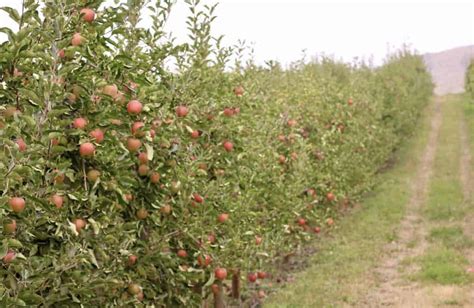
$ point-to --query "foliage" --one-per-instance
(469, 86)
(306, 141)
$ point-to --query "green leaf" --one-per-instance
(72, 227)
(3, 249)
(31, 298)
(8, 32)
(29, 120)
(149, 151)
(40, 201)
(14, 243)
(31, 96)
(93, 258)
(211, 280)
(12, 13)
(95, 226)
(72, 197)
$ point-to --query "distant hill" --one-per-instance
(448, 68)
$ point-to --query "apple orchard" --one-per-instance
(124, 182)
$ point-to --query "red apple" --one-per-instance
(182, 111)
(204, 260)
(166, 209)
(88, 15)
(143, 170)
(9, 257)
(317, 229)
(222, 217)
(21, 145)
(79, 123)
(132, 259)
(239, 91)
(134, 107)
(291, 122)
(142, 214)
(17, 204)
(228, 146)
(182, 253)
(155, 177)
(301, 221)
(349, 101)
(77, 39)
(195, 134)
(9, 228)
(215, 289)
(143, 158)
(198, 198)
(220, 273)
(97, 134)
(330, 221)
(111, 90)
(87, 149)
(258, 240)
(133, 144)
(330, 196)
(252, 277)
(137, 129)
(261, 275)
(281, 159)
(228, 112)
(57, 200)
(80, 224)
(61, 53)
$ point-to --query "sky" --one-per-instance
(282, 29)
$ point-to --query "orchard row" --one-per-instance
(125, 181)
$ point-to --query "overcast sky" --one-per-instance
(282, 29)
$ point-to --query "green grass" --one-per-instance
(445, 197)
(445, 193)
(451, 237)
(452, 302)
(444, 266)
(340, 269)
(444, 262)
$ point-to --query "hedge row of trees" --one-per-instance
(124, 182)
(469, 86)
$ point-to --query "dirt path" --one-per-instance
(393, 289)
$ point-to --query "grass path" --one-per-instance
(410, 243)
